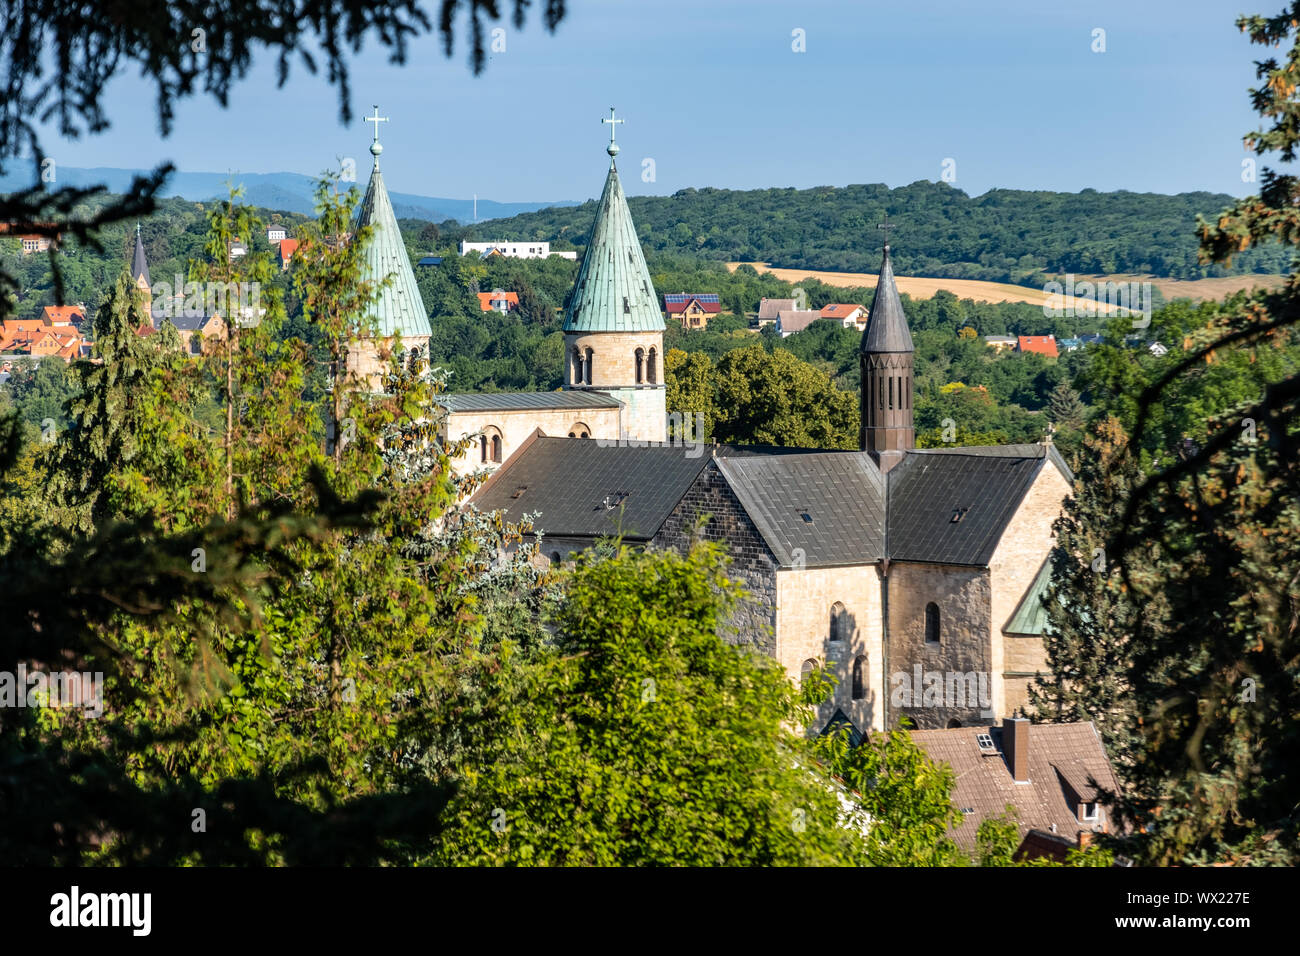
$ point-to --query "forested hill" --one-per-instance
(1003, 235)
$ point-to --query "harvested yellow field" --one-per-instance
(1198, 289)
(917, 288)
(981, 291)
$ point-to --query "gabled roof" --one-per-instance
(839, 310)
(519, 401)
(791, 320)
(768, 308)
(485, 299)
(287, 247)
(819, 510)
(63, 314)
(399, 308)
(951, 505)
(586, 488)
(1061, 756)
(613, 291)
(1043, 344)
(886, 329)
(677, 302)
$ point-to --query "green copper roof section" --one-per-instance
(399, 308)
(1031, 616)
(613, 292)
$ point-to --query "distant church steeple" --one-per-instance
(140, 271)
(885, 358)
(613, 328)
(400, 307)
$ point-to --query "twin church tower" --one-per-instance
(614, 382)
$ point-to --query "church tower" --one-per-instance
(140, 272)
(613, 328)
(399, 310)
(885, 358)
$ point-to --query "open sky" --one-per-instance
(715, 94)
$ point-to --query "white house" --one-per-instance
(515, 250)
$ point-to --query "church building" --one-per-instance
(614, 390)
(913, 575)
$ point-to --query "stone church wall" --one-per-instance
(755, 619)
(964, 649)
(516, 426)
(1024, 546)
(805, 598)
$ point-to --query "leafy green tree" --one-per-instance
(772, 398)
(644, 738)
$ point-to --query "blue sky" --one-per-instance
(714, 93)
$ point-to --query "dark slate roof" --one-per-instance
(980, 488)
(886, 329)
(139, 264)
(516, 401)
(586, 488)
(830, 506)
(1061, 756)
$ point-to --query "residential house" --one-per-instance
(529, 249)
(285, 249)
(768, 310)
(1000, 343)
(847, 314)
(1053, 776)
(276, 233)
(693, 311)
(1042, 344)
(790, 321)
(498, 301)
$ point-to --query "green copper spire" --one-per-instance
(399, 308)
(613, 292)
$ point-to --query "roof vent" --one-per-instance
(958, 514)
(519, 491)
(806, 517)
(985, 742)
(613, 501)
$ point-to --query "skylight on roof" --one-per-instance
(985, 742)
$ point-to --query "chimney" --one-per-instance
(1015, 746)
(1085, 839)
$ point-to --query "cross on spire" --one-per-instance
(375, 148)
(612, 148)
(886, 226)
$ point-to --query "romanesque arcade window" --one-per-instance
(805, 670)
(640, 366)
(588, 368)
(579, 430)
(932, 623)
(577, 366)
(652, 370)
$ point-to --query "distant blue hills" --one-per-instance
(291, 192)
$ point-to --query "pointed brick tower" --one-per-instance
(140, 272)
(613, 329)
(399, 309)
(886, 363)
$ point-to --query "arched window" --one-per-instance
(891, 391)
(932, 623)
(555, 557)
(640, 366)
(839, 623)
(954, 724)
(579, 430)
(859, 677)
(805, 670)
(496, 448)
(483, 447)
(490, 444)
(653, 370)
(588, 369)
(577, 366)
